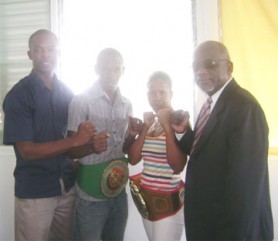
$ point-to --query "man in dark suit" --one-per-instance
(227, 184)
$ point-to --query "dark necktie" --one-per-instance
(201, 121)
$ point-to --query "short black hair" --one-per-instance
(109, 51)
(160, 75)
(40, 32)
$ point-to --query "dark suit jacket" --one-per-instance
(227, 184)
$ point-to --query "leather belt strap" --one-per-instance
(155, 205)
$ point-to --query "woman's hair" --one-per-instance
(160, 76)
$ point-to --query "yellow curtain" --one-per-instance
(250, 32)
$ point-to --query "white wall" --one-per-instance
(7, 160)
(207, 27)
(273, 173)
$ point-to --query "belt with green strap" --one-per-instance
(104, 180)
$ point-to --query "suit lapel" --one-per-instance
(214, 116)
(208, 129)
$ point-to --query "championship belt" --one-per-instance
(103, 180)
(137, 195)
(153, 204)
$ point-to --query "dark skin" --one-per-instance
(159, 96)
(97, 144)
(209, 80)
(135, 127)
(109, 69)
(43, 54)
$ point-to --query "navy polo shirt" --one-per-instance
(34, 113)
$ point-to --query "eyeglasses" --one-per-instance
(207, 63)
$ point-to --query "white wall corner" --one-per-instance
(207, 26)
(206, 19)
(56, 7)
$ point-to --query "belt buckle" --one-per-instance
(138, 199)
(114, 178)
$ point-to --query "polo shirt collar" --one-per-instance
(38, 83)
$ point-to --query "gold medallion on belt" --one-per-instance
(114, 178)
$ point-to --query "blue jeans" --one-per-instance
(105, 220)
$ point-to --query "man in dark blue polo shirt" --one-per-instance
(36, 112)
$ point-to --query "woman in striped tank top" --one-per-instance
(160, 181)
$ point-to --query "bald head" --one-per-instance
(212, 66)
(109, 68)
(41, 33)
(43, 51)
(107, 53)
(214, 49)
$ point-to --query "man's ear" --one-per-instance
(29, 54)
(230, 67)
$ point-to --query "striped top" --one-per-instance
(157, 173)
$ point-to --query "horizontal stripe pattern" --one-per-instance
(157, 173)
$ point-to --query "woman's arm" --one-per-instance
(134, 152)
(176, 158)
